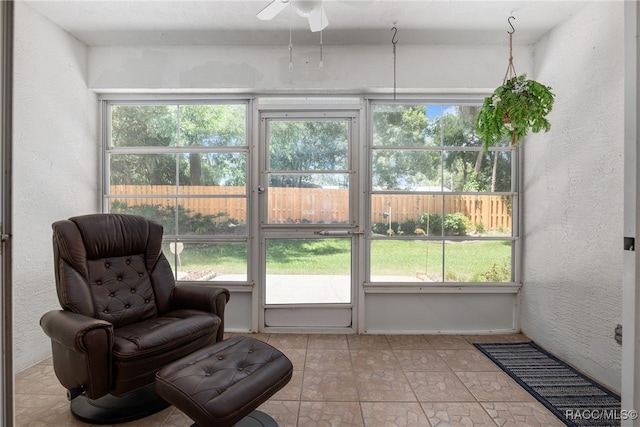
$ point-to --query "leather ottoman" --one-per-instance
(225, 382)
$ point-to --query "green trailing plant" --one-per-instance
(514, 109)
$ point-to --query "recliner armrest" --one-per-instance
(82, 348)
(205, 298)
(68, 328)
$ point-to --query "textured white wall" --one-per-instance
(573, 196)
(351, 68)
(55, 167)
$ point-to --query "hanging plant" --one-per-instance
(514, 109)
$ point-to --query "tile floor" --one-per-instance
(350, 380)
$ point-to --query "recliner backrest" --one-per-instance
(111, 267)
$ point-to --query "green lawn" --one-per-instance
(475, 261)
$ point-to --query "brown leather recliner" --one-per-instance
(123, 317)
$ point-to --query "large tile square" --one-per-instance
(457, 414)
(385, 360)
(494, 387)
(379, 386)
(438, 387)
(408, 342)
(421, 360)
(467, 360)
(368, 342)
(386, 414)
(529, 414)
(328, 342)
(329, 386)
(448, 342)
(322, 414)
(281, 341)
(328, 360)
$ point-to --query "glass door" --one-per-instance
(308, 228)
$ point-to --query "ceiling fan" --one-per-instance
(313, 10)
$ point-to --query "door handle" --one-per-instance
(337, 232)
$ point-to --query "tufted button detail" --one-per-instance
(112, 295)
(105, 311)
(127, 306)
(119, 278)
(147, 301)
(207, 374)
(140, 274)
(98, 282)
(128, 261)
(219, 357)
(107, 264)
(240, 368)
(133, 291)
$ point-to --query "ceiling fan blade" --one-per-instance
(272, 9)
(318, 19)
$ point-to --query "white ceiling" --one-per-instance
(234, 22)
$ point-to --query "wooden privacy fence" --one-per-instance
(315, 205)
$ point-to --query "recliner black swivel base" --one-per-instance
(112, 409)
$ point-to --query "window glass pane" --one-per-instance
(212, 216)
(406, 170)
(457, 126)
(157, 209)
(406, 214)
(142, 169)
(405, 125)
(308, 145)
(144, 125)
(478, 261)
(308, 271)
(433, 215)
(477, 171)
(485, 215)
(213, 125)
(212, 262)
(308, 199)
(213, 170)
(406, 261)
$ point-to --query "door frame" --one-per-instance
(308, 108)
(6, 141)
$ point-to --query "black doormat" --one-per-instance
(574, 398)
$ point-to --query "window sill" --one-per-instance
(439, 288)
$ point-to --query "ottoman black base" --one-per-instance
(221, 384)
(254, 419)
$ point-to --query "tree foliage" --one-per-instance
(188, 126)
(403, 127)
(307, 146)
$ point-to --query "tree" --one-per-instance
(470, 170)
(211, 126)
(309, 146)
(200, 126)
(406, 127)
(143, 126)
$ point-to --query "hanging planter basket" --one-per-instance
(514, 109)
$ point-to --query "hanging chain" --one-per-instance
(511, 70)
(394, 42)
(290, 38)
(321, 65)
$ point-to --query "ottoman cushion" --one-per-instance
(221, 384)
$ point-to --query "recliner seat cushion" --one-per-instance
(159, 334)
(140, 349)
